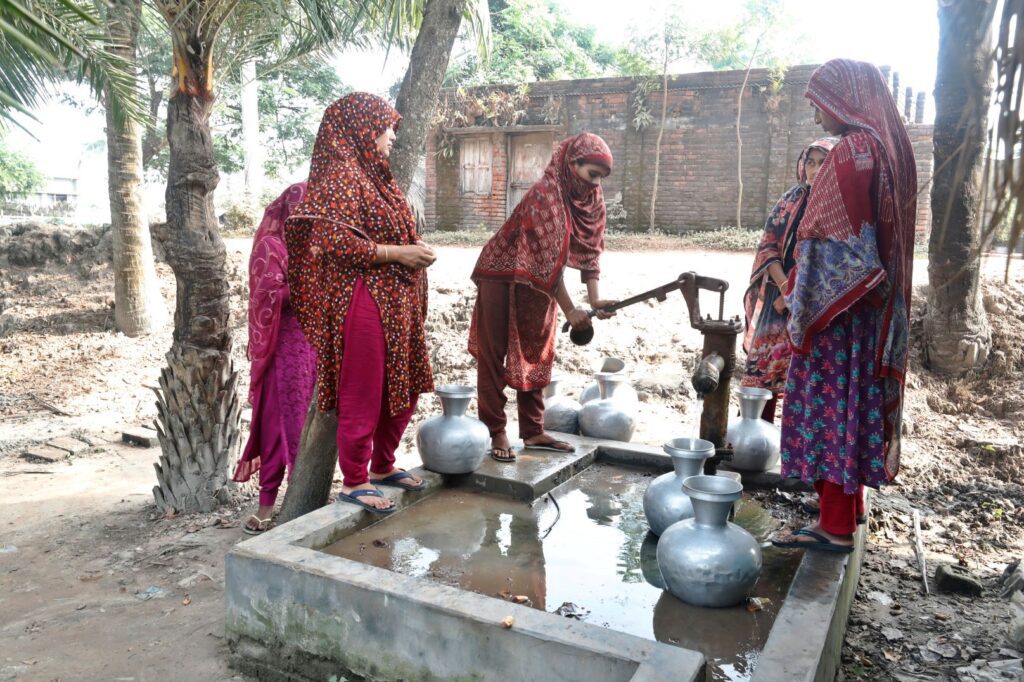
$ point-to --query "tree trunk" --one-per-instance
(251, 131)
(310, 484)
(138, 306)
(417, 98)
(956, 332)
(198, 406)
(657, 144)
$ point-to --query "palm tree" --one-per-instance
(45, 42)
(138, 306)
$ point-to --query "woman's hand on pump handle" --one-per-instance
(599, 306)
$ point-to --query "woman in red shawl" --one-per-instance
(848, 298)
(559, 222)
(283, 364)
(357, 283)
(766, 342)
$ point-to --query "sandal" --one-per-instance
(503, 455)
(809, 508)
(262, 525)
(553, 446)
(821, 543)
(395, 480)
(353, 498)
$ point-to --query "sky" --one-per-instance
(900, 33)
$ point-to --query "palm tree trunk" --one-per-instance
(138, 306)
(956, 332)
(417, 98)
(198, 405)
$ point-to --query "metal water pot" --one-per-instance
(664, 500)
(453, 443)
(608, 418)
(755, 443)
(707, 561)
(625, 393)
(561, 413)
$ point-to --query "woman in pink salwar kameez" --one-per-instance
(283, 363)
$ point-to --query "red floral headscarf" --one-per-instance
(560, 221)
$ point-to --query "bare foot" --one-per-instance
(370, 500)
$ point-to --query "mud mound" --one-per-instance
(39, 244)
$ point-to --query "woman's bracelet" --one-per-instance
(385, 253)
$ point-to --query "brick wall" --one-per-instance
(697, 186)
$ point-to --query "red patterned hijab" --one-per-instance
(560, 221)
(856, 94)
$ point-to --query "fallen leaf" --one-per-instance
(187, 600)
(941, 616)
(508, 622)
(520, 599)
(890, 655)
(380, 543)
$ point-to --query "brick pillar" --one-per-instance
(919, 109)
(908, 102)
(896, 86)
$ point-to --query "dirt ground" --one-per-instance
(94, 584)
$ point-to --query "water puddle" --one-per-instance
(584, 554)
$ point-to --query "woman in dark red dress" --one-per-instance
(356, 274)
(560, 222)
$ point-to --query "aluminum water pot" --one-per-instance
(755, 443)
(707, 561)
(625, 393)
(608, 418)
(664, 500)
(561, 413)
(453, 443)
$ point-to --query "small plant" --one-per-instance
(241, 216)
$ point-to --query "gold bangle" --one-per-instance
(385, 253)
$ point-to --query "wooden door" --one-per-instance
(528, 157)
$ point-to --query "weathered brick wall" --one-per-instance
(698, 186)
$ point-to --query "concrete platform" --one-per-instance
(297, 613)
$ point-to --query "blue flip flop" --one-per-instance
(353, 498)
(395, 480)
(820, 544)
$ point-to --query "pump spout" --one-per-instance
(706, 376)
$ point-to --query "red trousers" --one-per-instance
(492, 338)
(367, 432)
(839, 511)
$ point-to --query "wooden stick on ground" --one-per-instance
(50, 407)
(919, 550)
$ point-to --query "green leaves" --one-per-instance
(18, 175)
(44, 42)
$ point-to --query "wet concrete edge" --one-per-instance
(806, 640)
(261, 572)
